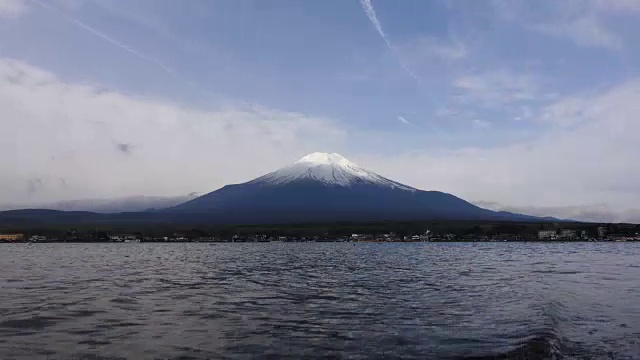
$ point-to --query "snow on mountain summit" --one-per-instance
(330, 169)
(321, 158)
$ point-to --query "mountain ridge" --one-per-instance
(319, 187)
(109, 206)
(328, 187)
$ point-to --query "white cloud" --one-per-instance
(12, 8)
(593, 161)
(616, 5)
(434, 59)
(588, 23)
(585, 31)
(481, 124)
(404, 121)
(62, 141)
(591, 213)
(501, 81)
(425, 49)
(497, 88)
(567, 112)
(508, 9)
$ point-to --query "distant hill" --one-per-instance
(118, 205)
(589, 213)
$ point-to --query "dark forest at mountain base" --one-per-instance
(352, 231)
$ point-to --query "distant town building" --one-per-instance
(602, 232)
(11, 237)
(36, 238)
(547, 235)
(568, 234)
(122, 237)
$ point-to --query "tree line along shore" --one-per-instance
(365, 231)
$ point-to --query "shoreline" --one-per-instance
(311, 241)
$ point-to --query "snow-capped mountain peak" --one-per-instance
(331, 169)
(320, 158)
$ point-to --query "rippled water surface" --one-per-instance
(324, 300)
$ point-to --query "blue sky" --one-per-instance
(490, 100)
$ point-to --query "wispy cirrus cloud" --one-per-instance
(588, 163)
(505, 94)
(403, 120)
(624, 6)
(427, 48)
(587, 23)
(12, 8)
(495, 88)
(371, 14)
(481, 124)
(585, 31)
(103, 36)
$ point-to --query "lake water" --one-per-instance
(320, 300)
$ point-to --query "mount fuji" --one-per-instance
(320, 187)
(328, 187)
